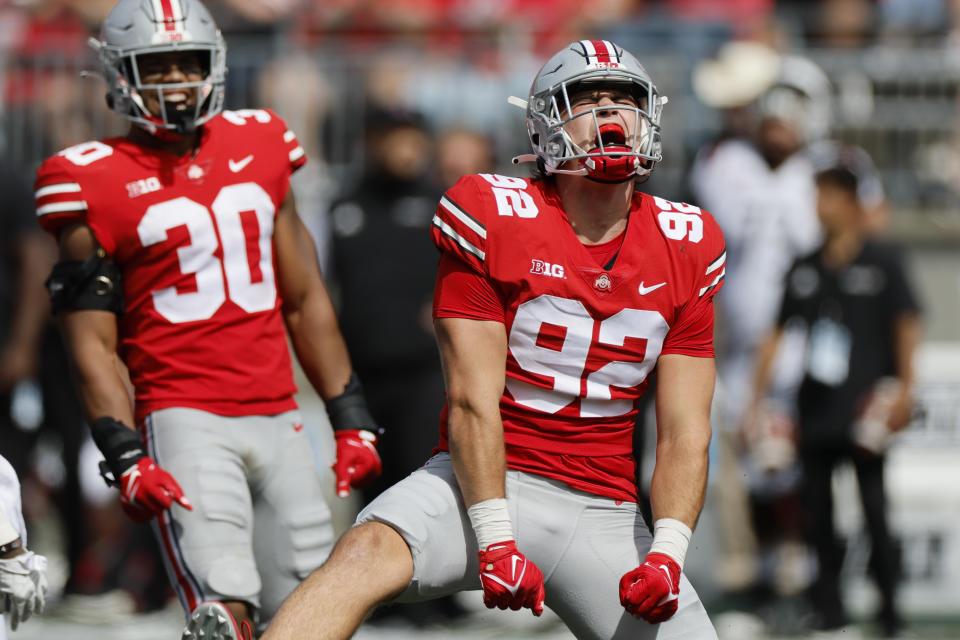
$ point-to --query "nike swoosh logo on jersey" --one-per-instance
(298, 427)
(645, 290)
(237, 165)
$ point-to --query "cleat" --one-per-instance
(213, 621)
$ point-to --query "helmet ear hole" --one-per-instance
(110, 102)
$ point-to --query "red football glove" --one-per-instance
(509, 579)
(146, 491)
(358, 463)
(651, 590)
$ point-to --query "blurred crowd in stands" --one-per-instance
(393, 100)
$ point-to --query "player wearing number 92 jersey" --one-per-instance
(583, 335)
(555, 298)
(192, 237)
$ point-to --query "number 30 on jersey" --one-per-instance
(250, 279)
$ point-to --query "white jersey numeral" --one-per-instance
(252, 292)
(628, 323)
(87, 152)
(679, 220)
(239, 117)
(510, 195)
(251, 282)
(566, 365)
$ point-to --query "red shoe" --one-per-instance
(213, 621)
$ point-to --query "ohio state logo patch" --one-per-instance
(602, 283)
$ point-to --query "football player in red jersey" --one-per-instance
(183, 258)
(555, 299)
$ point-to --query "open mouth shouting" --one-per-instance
(611, 137)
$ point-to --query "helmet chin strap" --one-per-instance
(529, 157)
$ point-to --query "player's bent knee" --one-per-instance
(377, 547)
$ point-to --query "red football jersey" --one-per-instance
(193, 237)
(582, 337)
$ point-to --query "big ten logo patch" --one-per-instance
(542, 268)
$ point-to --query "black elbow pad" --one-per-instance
(92, 284)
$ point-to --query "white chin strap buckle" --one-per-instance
(517, 102)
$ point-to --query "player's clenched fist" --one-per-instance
(509, 579)
(147, 490)
(651, 590)
(358, 463)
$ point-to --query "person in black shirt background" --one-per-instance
(385, 267)
(863, 323)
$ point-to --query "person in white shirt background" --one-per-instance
(23, 573)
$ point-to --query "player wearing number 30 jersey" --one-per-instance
(182, 255)
(192, 237)
(556, 297)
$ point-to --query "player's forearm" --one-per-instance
(96, 370)
(8, 533)
(477, 451)
(764, 362)
(684, 393)
(906, 341)
(102, 391)
(679, 482)
(101, 388)
(318, 344)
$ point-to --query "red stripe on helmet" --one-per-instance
(603, 54)
(169, 22)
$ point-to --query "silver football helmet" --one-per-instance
(599, 63)
(138, 27)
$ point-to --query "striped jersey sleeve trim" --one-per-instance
(53, 189)
(456, 237)
(288, 136)
(472, 223)
(716, 264)
(713, 285)
(296, 154)
(60, 207)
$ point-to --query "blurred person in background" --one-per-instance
(26, 256)
(35, 396)
(758, 182)
(555, 298)
(23, 573)
(182, 262)
(864, 325)
(382, 259)
(462, 151)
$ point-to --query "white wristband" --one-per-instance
(671, 537)
(491, 522)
